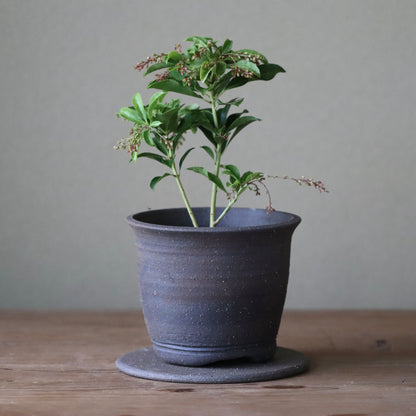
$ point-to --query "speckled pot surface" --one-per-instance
(213, 294)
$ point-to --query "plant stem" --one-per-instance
(184, 197)
(227, 208)
(214, 109)
(217, 165)
(214, 188)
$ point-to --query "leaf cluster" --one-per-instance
(208, 68)
(205, 71)
(160, 124)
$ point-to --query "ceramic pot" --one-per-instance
(213, 294)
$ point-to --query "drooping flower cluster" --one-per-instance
(150, 60)
(318, 185)
(132, 143)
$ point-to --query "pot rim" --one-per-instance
(291, 221)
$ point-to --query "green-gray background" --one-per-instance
(343, 113)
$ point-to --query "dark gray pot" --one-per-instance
(213, 294)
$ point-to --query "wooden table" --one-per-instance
(62, 363)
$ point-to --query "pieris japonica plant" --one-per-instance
(204, 71)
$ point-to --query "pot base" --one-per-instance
(198, 357)
(144, 363)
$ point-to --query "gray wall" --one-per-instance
(344, 113)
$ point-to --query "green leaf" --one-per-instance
(242, 122)
(184, 157)
(220, 68)
(157, 179)
(131, 115)
(173, 85)
(134, 156)
(233, 169)
(169, 120)
(268, 71)
(154, 102)
(155, 157)
(204, 71)
(222, 114)
(249, 176)
(209, 151)
(174, 56)
(215, 179)
(199, 39)
(208, 134)
(204, 119)
(138, 105)
(252, 52)
(155, 123)
(147, 138)
(156, 98)
(249, 66)
(176, 75)
(228, 44)
(246, 177)
(212, 177)
(186, 122)
(240, 127)
(161, 146)
(222, 84)
(198, 87)
(191, 107)
(239, 82)
(156, 67)
(231, 118)
(234, 101)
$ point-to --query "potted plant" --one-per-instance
(212, 280)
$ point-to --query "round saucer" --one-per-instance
(144, 363)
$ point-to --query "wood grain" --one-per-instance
(62, 363)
